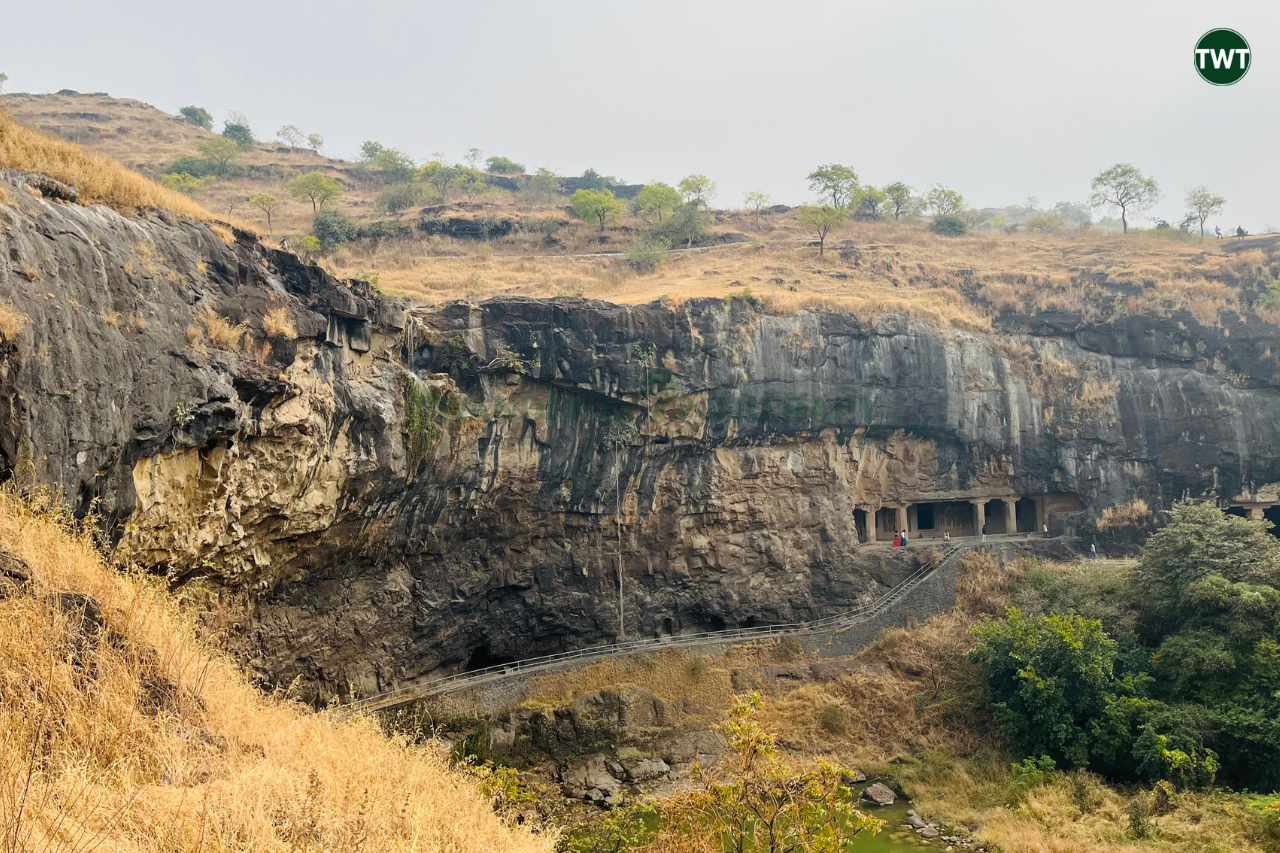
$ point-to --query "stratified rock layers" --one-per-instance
(371, 494)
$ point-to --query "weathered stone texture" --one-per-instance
(355, 546)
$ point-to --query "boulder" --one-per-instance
(880, 794)
(595, 780)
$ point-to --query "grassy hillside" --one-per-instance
(148, 141)
(122, 729)
(98, 178)
(532, 244)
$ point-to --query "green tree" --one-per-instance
(315, 187)
(198, 116)
(755, 202)
(220, 153)
(870, 202)
(1190, 571)
(765, 804)
(944, 201)
(1048, 678)
(443, 177)
(236, 128)
(656, 202)
(599, 206)
(1204, 204)
(1125, 187)
(820, 220)
(503, 166)
(836, 183)
(900, 198)
(315, 142)
(4, 78)
(268, 204)
(686, 225)
(697, 189)
(385, 165)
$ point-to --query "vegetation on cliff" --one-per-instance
(98, 179)
(121, 729)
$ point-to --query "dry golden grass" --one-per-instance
(210, 329)
(1072, 813)
(98, 178)
(695, 688)
(278, 323)
(1135, 513)
(12, 321)
(138, 737)
(885, 268)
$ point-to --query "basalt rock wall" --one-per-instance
(365, 493)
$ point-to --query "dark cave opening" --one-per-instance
(482, 656)
(1272, 514)
(1025, 515)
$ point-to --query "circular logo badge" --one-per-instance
(1222, 57)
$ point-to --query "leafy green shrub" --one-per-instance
(622, 828)
(332, 229)
(1139, 817)
(646, 255)
(183, 182)
(1048, 679)
(238, 132)
(198, 116)
(948, 226)
(504, 166)
(1028, 774)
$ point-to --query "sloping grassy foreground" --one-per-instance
(121, 729)
(99, 179)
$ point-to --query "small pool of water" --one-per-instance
(891, 839)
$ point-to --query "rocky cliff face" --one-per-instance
(370, 493)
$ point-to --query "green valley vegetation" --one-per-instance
(1176, 679)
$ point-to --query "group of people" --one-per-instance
(900, 538)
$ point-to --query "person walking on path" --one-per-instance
(1093, 550)
(897, 539)
(904, 537)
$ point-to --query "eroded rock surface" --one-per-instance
(370, 494)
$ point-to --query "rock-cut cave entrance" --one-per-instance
(1026, 513)
(482, 656)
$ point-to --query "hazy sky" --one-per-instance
(1002, 100)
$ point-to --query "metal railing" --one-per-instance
(546, 663)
